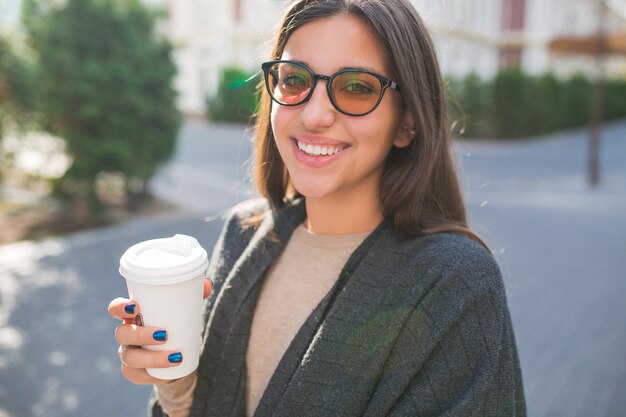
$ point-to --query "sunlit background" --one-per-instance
(122, 121)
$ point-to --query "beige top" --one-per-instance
(295, 283)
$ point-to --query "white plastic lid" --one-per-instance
(164, 261)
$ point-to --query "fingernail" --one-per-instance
(160, 335)
(130, 308)
(175, 357)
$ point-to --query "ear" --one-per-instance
(405, 133)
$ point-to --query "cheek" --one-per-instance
(375, 130)
(389, 125)
(280, 119)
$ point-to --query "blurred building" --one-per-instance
(209, 35)
(479, 35)
(485, 35)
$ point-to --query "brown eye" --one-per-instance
(294, 81)
(290, 83)
(356, 92)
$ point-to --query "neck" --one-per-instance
(346, 216)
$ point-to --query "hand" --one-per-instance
(130, 336)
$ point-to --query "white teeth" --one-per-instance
(317, 150)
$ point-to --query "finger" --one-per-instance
(123, 308)
(141, 376)
(208, 287)
(131, 334)
(138, 358)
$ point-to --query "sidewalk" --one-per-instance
(561, 247)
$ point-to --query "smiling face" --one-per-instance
(330, 156)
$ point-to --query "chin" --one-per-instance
(311, 190)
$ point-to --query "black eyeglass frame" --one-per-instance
(384, 83)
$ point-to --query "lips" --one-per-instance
(317, 151)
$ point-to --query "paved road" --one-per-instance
(560, 244)
(562, 247)
(57, 353)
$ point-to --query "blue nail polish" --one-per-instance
(175, 357)
(130, 308)
(160, 335)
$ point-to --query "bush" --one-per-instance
(105, 87)
(544, 105)
(516, 104)
(576, 101)
(237, 98)
(469, 106)
(614, 99)
(511, 103)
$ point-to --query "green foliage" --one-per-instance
(544, 105)
(468, 105)
(576, 101)
(511, 105)
(614, 99)
(105, 87)
(510, 112)
(237, 97)
(516, 104)
(16, 87)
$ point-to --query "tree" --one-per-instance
(105, 87)
(16, 87)
(16, 95)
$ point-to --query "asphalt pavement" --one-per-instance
(559, 243)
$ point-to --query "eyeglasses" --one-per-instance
(351, 91)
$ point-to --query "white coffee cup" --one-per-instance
(166, 278)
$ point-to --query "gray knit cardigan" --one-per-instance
(413, 327)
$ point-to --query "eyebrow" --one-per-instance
(340, 69)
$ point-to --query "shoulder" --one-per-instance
(457, 333)
(445, 250)
(453, 281)
(453, 263)
(453, 251)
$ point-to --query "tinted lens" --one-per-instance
(356, 92)
(289, 83)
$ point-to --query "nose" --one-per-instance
(318, 112)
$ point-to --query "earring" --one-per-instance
(411, 133)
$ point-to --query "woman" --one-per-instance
(355, 286)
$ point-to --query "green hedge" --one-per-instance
(515, 104)
(614, 99)
(236, 99)
(511, 105)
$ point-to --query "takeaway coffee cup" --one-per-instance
(166, 278)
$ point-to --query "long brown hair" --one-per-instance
(419, 189)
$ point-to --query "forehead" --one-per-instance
(330, 44)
